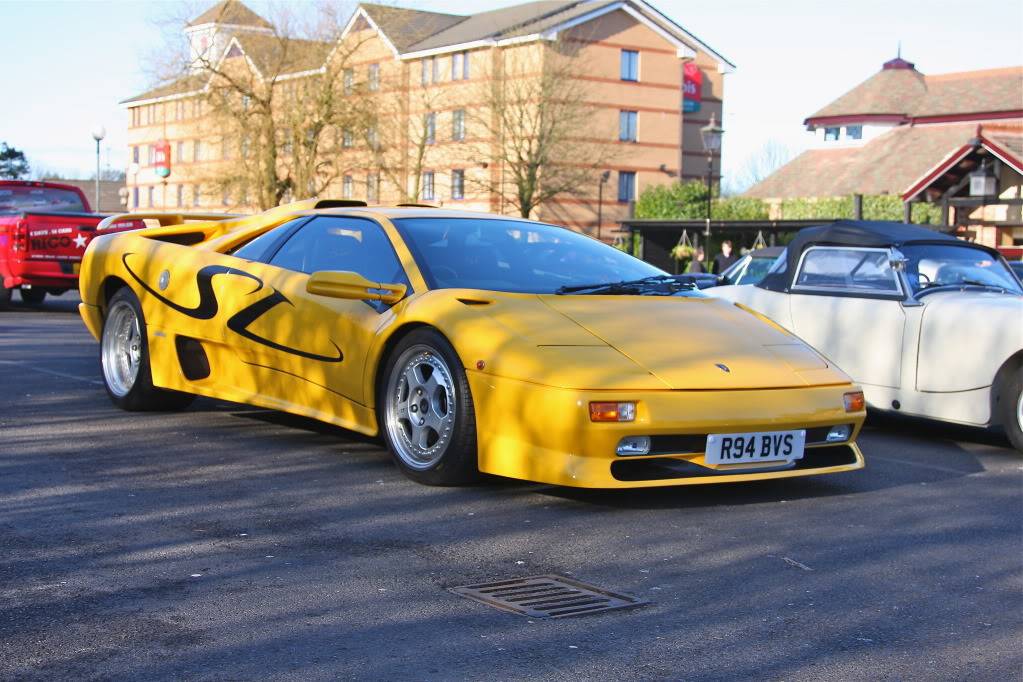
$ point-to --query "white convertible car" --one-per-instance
(928, 324)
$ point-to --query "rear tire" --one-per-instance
(1010, 405)
(33, 296)
(5, 294)
(425, 411)
(124, 357)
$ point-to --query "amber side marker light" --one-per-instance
(854, 401)
(612, 412)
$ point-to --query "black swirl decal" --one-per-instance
(240, 321)
(207, 308)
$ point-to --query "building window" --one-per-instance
(196, 195)
(458, 184)
(349, 81)
(347, 139)
(630, 65)
(460, 65)
(831, 134)
(135, 154)
(373, 187)
(152, 195)
(626, 186)
(195, 150)
(374, 77)
(372, 139)
(431, 70)
(627, 122)
(458, 124)
(428, 193)
(150, 154)
(180, 152)
(225, 199)
(430, 127)
(181, 195)
(135, 195)
(347, 187)
(854, 132)
(245, 148)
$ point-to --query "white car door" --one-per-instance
(847, 303)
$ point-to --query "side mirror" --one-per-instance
(352, 285)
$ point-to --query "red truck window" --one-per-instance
(45, 199)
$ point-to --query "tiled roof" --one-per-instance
(274, 55)
(405, 27)
(178, 86)
(888, 164)
(903, 91)
(231, 12)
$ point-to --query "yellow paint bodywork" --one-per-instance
(544, 357)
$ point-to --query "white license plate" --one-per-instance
(745, 448)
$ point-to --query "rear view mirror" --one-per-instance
(352, 285)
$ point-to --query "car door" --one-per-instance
(847, 303)
(317, 344)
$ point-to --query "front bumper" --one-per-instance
(544, 434)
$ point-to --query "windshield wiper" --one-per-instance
(664, 285)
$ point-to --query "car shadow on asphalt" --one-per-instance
(928, 453)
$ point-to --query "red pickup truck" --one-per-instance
(44, 229)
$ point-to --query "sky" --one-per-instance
(67, 64)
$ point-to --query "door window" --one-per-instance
(847, 270)
(342, 244)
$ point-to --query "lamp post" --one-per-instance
(710, 134)
(600, 201)
(98, 133)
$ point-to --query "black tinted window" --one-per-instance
(257, 248)
(344, 244)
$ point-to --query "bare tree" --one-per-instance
(760, 164)
(272, 106)
(541, 132)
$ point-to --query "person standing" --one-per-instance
(696, 264)
(724, 259)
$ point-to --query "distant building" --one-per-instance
(922, 138)
(638, 60)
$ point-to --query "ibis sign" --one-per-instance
(161, 158)
(692, 87)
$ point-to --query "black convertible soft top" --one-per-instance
(864, 233)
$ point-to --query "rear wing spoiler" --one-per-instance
(164, 219)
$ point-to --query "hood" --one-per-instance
(697, 343)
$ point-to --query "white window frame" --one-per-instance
(899, 293)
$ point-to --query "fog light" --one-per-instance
(634, 445)
(854, 401)
(838, 434)
(612, 412)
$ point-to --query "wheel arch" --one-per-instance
(373, 387)
(110, 286)
(1012, 364)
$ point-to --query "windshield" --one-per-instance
(931, 266)
(513, 255)
(757, 269)
(17, 199)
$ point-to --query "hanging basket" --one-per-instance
(759, 242)
(683, 249)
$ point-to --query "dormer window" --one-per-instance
(831, 134)
(854, 132)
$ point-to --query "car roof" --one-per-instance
(393, 212)
(857, 233)
(767, 252)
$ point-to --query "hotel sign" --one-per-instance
(692, 87)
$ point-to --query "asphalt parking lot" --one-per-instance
(228, 542)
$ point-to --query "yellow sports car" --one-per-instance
(471, 342)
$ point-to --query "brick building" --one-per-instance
(922, 138)
(634, 62)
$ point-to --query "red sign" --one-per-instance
(692, 87)
(161, 158)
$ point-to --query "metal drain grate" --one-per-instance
(546, 596)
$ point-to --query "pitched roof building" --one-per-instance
(637, 63)
(918, 136)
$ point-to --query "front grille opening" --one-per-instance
(664, 468)
(547, 596)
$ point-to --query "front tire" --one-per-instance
(1011, 407)
(33, 296)
(426, 411)
(124, 356)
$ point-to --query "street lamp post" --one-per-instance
(600, 201)
(710, 134)
(98, 134)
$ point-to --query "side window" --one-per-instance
(258, 248)
(343, 244)
(865, 271)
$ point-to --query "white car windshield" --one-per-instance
(932, 266)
